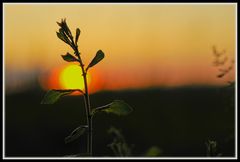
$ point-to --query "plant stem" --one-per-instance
(87, 105)
(89, 117)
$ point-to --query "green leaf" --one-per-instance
(64, 27)
(79, 155)
(69, 58)
(117, 107)
(77, 35)
(99, 56)
(60, 36)
(61, 31)
(53, 95)
(64, 35)
(153, 151)
(76, 133)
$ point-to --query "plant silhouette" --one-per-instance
(221, 61)
(225, 66)
(117, 107)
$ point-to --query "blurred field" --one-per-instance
(178, 121)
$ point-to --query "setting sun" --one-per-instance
(71, 78)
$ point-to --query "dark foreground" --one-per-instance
(177, 121)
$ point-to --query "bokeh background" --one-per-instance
(159, 58)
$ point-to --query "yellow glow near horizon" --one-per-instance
(71, 78)
(146, 44)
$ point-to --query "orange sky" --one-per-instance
(145, 44)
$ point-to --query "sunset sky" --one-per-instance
(145, 45)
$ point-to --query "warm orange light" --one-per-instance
(71, 78)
